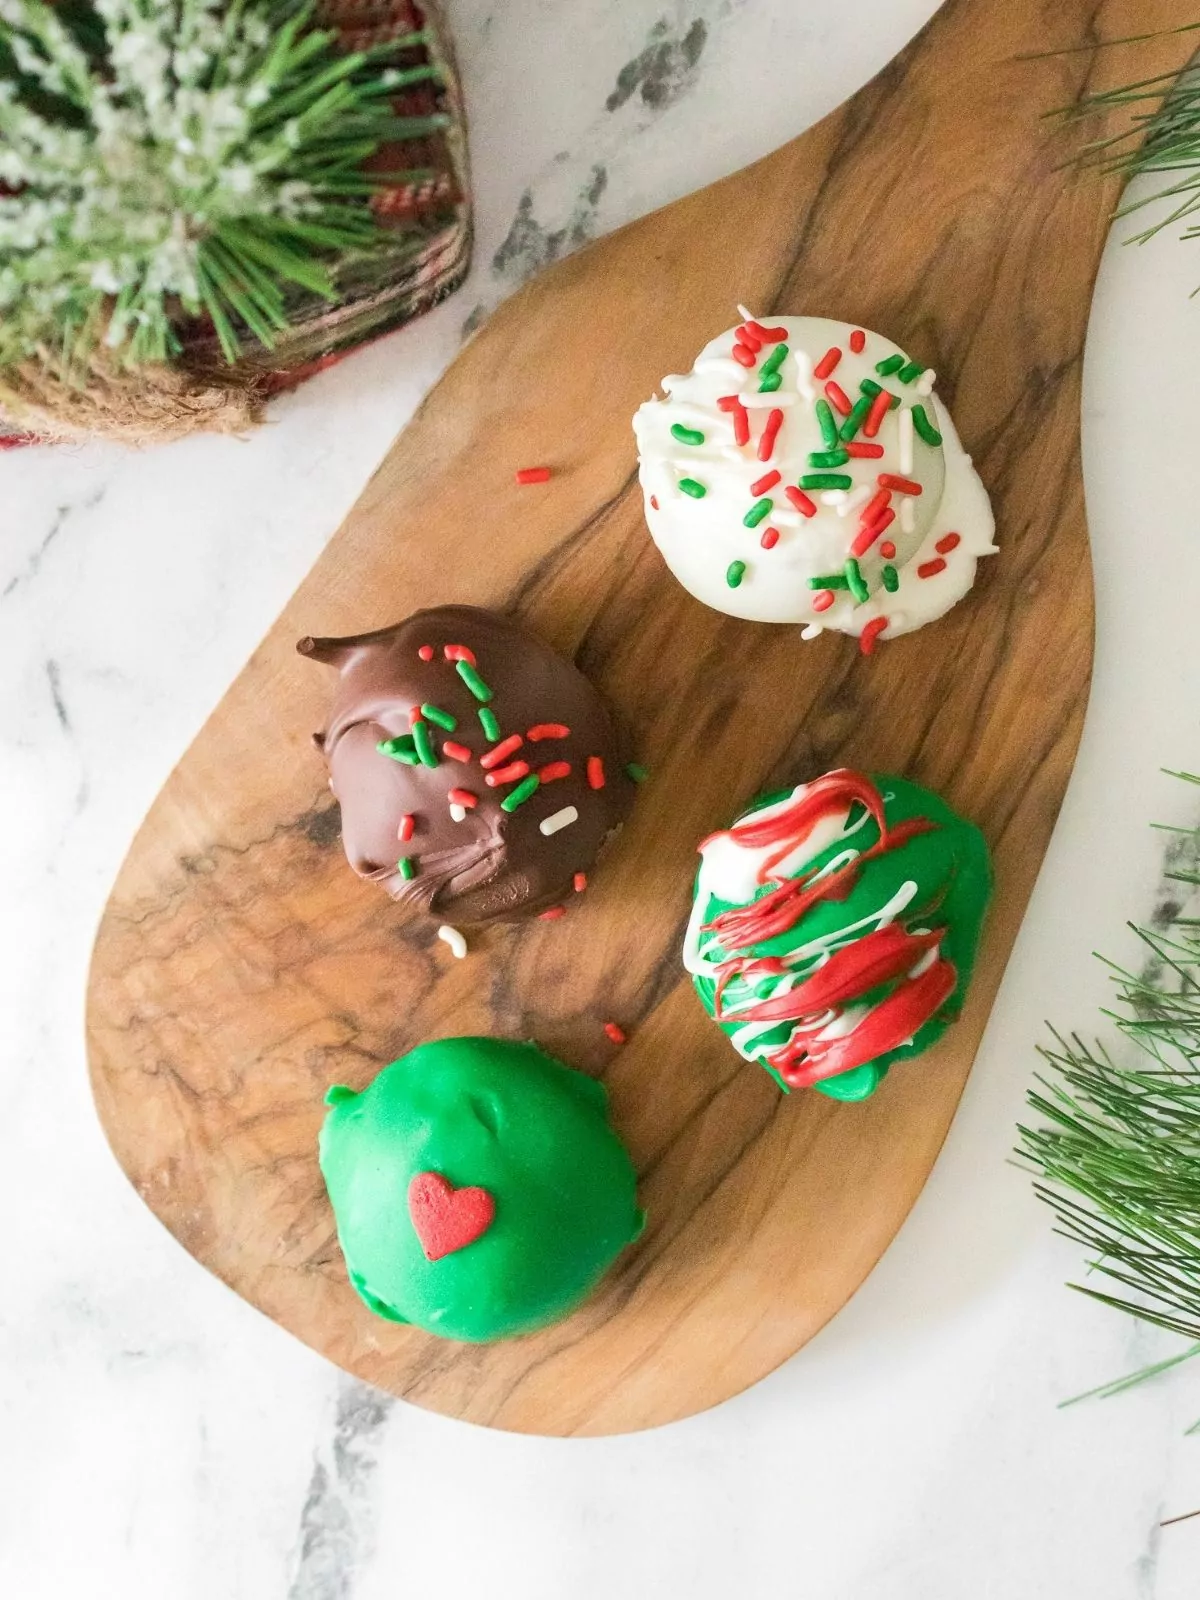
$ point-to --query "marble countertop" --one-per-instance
(160, 1438)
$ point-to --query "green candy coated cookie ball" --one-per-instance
(834, 928)
(478, 1188)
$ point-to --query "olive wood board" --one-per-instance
(241, 968)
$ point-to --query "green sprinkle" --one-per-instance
(826, 480)
(759, 510)
(424, 743)
(892, 364)
(487, 721)
(690, 486)
(828, 458)
(472, 680)
(858, 415)
(638, 773)
(835, 580)
(401, 749)
(407, 868)
(518, 796)
(924, 427)
(771, 382)
(855, 581)
(827, 425)
(910, 370)
(891, 579)
(442, 718)
(686, 435)
(870, 388)
(774, 361)
(734, 573)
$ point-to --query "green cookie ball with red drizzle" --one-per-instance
(478, 771)
(834, 928)
(478, 1188)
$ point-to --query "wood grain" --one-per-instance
(240, 968)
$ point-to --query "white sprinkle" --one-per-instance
(459, 813)
(560, 819)
(906, 441)
(724, 366)
(908, 514)
(745, 315)
(834, 497)
(854, 499)
(767, 401)
(811, 631)
(452, 937)
(926, 381)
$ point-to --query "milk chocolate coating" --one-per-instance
(493, 865)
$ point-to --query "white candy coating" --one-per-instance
(701, 537)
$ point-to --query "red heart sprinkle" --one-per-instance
(447, 1219)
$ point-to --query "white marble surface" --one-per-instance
(159, 1438)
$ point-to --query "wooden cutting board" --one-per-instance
(240, 968)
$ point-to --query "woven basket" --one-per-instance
(200, 391)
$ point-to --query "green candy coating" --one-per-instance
(494, 1114)
(952, 871)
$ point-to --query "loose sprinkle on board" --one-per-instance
(692, 487)
(501, 753)
(552, 914)
(554, 770)
(407, 869)
(636, 772)
(654, 502)
(453, 751)
(867, 638)
(509, 774)
(452, 937)
(528, 786)
(767, 481)
(686, 435)
(472, 680)
(616, 1034)
(951, 541)
(858, 341)
(595, 772)
(558, 820)
(734, 573)
(442, 718)
(580, 882)
(548, 730)
(533, 475)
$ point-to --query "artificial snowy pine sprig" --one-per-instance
(1120, 1146)
(165, 159)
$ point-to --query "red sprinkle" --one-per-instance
(509, 774)
(455, 751)
(887, 549)
(580, 881)
(407, 824)
(767, 481)
(766, 443)
(547, 730)
(459, 652)
(766, 335)
(882, 522)
(552, 914)
(867, 638)
(866, 537)
(744, 354)
(838, 398)
(741, 417)
(617, 1035)
(770, 538)
(463, 797)
(595, 772)
(879, 410)
(867, 451)
(824, 367)
(950, 542)
(877, 505)
(802, 503)
(930, 569)
(858, 340)
(822, 600)
(426, 652)
(654, 500)
(556, 769)
(889, 480)
(533, 475)
(501, 752)
(415, 715)
(748, 333)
